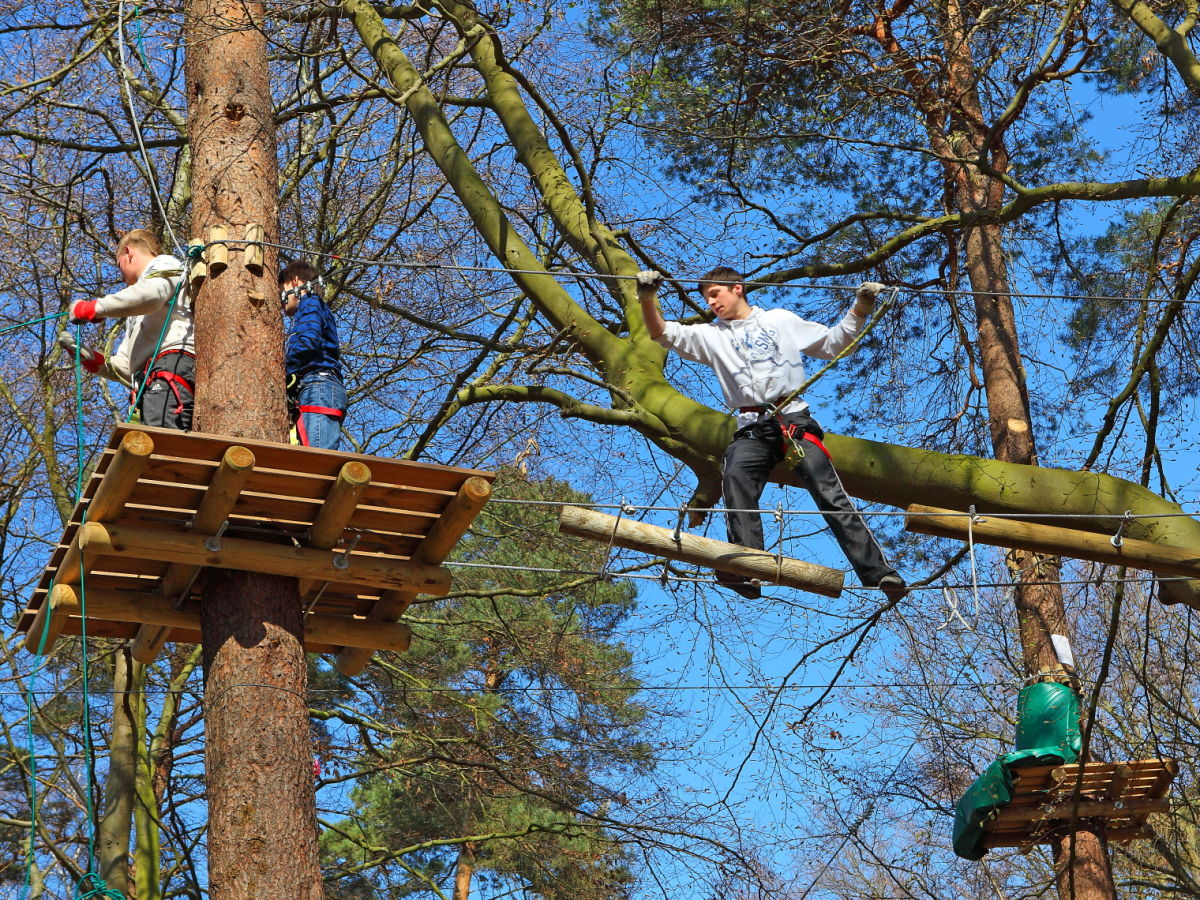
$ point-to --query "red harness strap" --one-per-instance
(301, 431)
(809, 436)
(172, 379)
(789, 434)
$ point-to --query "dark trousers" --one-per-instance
(754, 451)
(167, 399)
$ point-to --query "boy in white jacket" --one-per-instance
(151, 321)
(756, 356)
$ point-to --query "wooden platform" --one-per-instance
(1124, 795)
(365, 536)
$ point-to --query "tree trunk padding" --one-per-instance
(1047, 734)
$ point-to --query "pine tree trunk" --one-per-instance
(1083, 872)
(262, 842)
(464, 868)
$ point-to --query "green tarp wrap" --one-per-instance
(1047, 734)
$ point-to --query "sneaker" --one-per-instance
(893, 587)
(740, 584)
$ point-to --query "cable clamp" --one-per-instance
(1115, 540)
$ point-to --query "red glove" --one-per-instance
(84, 311)
(94, 363)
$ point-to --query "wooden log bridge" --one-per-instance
(365, 536)
(1160, 559)
(701, 551)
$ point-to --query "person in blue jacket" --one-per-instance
(316, 392)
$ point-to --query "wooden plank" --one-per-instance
(381, 507)
(260, 556)
(442, 538)
(180, 483)
(152, 609)
(702, 551)
(218, 501)
(1161, 559)
(63, 603)
(1141, 832)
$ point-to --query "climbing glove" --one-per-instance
(84, 311)
(91, 360)
(648, 280)
(864, 297)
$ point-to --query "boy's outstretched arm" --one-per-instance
(647, 292)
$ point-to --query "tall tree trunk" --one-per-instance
(262, 813)
(464, 869)
(1082, 868)
(112, 836)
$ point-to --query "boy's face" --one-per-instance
(727, 301)
(132, 263)
(293, 299)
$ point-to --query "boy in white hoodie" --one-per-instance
(756, 356)
(152, 323)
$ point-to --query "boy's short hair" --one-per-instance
(721, 275)
(298, 268)
(141, 238)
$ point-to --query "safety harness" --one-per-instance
(296, 412)
(301, 431)
(173, 379)
(795, 452)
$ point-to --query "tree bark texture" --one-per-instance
(116, 821)
(262, 840)
(1083, 870)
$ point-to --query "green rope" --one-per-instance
(9, 328)
(96, 887)
(137, 28)
(91, 883)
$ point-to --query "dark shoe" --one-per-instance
(893, 587)
(747, 587)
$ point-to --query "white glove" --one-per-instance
(864, 297)
(648, 280)
(91, 360)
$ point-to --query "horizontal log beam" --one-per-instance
(259, 556)
(154, 610)
(1050, 539)
(701, 551)
(57, 608)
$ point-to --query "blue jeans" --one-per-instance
(321, 388)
